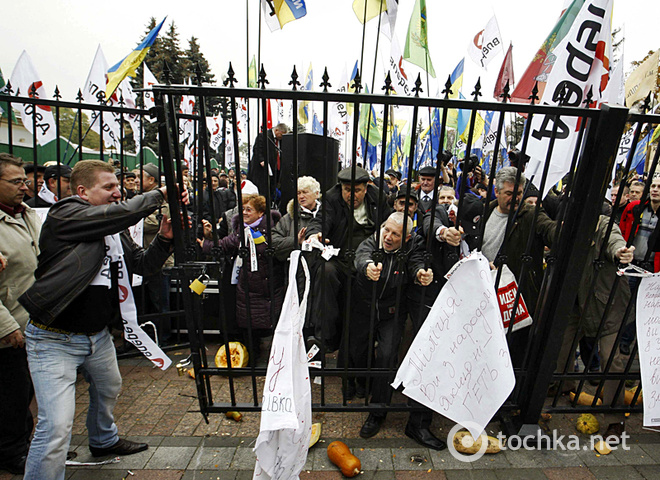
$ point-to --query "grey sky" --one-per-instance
(61, 36)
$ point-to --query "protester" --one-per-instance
(55, 187)
(330, 277)
(515, 248)
(34, 186)
(260, 290)
(71, 305)
(285, 238)
(589, 309)
(392, 273)
(19, 231)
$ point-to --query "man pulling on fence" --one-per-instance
(79, 291)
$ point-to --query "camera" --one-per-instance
(469, 164)
(444, 157)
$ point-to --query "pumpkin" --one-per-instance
(630, 394)
(587, 424)
(234, 415)
(464, 443)
(340, 455)
(585, 399)
(237, 352)
(316, 434)
(602, 447)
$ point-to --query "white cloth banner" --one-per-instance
(486, 44)
(581, 65)
(286, 409)
(130, 101)
(187, 132)
(214, 125)
(400, 81)
(24, 79)
(148, 81)
(648, 339)
(459, 363)
(94, 92)
(132, 331)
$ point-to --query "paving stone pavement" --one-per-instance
(161, 408)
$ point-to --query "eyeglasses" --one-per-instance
(17, 181)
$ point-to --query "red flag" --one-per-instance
(542, 63)
(506, 74)
(269, 116)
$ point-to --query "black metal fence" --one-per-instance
(576, 289)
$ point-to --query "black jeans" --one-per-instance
(16, 393)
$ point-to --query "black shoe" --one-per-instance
(624, 348)
(360, 391)
(122, 447)
(424, 437)
(17, 467)
(349, 392)
(371, 426)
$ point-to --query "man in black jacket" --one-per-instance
(266, 159)
(337, 219)
(55, 187)
(78, 292)
(390, 262)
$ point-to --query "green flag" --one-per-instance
(417, 42)
(3, 84)
(252, 74)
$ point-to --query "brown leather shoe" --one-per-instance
(122, 447)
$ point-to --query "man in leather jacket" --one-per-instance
(70, 312)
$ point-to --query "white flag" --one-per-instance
(581, 65)
(400, 81)
(149, 81)
(130, 101)
(615, 92)
(94, 92)
(214, 125)
(187, 132)
(286, 408)
(24, 79)
(486, 44)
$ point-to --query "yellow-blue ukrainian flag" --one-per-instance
(278, 13)
(127, 66)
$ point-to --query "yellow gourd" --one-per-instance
(587, 424)
(340, 455)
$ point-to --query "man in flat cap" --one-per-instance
(351, 214)
(55, 187)
(426, 184)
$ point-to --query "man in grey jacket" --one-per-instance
(19, 231)
(78, 292)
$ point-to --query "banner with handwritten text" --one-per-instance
(648, 338)
(459, 363)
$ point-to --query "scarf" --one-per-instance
(132, 330)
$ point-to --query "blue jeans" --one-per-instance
(54, 359)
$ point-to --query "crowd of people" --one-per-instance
(378, 255)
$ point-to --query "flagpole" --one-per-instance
(247, 63)
(428, 91)
(373, 76)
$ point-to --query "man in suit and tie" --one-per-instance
(426, 185)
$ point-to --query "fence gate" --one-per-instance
(576, 219)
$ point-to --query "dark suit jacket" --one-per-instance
(264, 151)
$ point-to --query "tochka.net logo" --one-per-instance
(566, 443)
